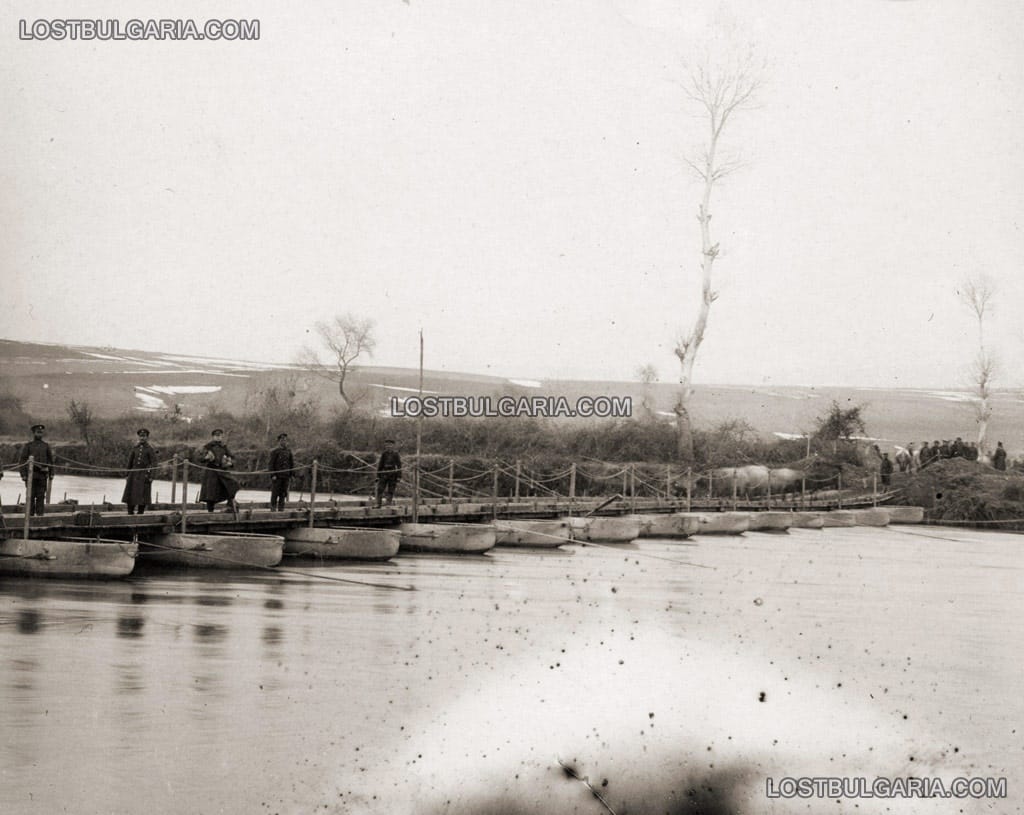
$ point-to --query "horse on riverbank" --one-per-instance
(757, 480)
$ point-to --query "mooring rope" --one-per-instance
(922, 535)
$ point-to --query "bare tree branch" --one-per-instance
(720, 90)
(345, 338)
(978, 294)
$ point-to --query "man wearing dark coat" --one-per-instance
(885, 469)
(999, 457)
(42, 468)
(218, 485)
(282, 466)
(925, 455)
(139, 484)
(389, 472)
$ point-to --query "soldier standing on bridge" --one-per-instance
(389, 472)
(218, 485)
(282, 465)
(42, 467)
(138, 488)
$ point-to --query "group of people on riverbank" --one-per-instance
(36, 464)
(911, 459)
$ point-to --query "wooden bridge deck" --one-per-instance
(61, 520)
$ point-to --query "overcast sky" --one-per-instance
(509, 176)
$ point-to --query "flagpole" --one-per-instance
(419, 442)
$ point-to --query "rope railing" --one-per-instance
(507, 478)
(586, 474)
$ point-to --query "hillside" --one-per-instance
(114, 382)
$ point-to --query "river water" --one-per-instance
(93, 490)
(675, 677)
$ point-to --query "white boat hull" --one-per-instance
(471, 539)
(839, 517)
(722, 523)
(806, 520)
(770, 521)
(67, 558)
(532, 533)
(623, 529)
(905, 515)
(342, 543)
(872, 516)
(673, 525)
(224, 551)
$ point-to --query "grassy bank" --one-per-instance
(959, 491)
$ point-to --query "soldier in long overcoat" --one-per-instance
(389, 472)
(42, 468)
(218, 484)
(138, 487)
(282, 468)
(999, 457)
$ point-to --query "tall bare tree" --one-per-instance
(345, 339)
(978, 293)
(720, 90)
(648, 375)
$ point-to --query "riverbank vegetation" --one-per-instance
(515, 456)
(469, 449)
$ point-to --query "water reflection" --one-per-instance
(29, 621)
(129, 679)
(273, 635)
(130, 627)
(186, 682)
(212, 600)
(210, 632)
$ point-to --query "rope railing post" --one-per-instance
(49, 483)
(668, 482)
(312, 493)
(28, 495)
(174, 479)
(689, 483)
(494, 493)
(839, 488)
(519, 470)
(451, 481)
(572, 487)
(632, 488)
(803, 491)
(874, 490)
(710, 485)
(184, 495)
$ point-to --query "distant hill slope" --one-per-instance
(115, 381)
